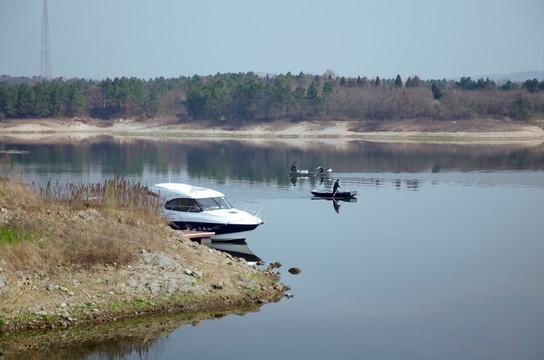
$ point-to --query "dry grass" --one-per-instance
(77, 225)
(115, 193)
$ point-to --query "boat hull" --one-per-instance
(337, 195)
(223, 232)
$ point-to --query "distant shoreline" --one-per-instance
(407, 130)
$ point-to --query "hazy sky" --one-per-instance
(433, 39)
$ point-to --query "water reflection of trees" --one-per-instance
(229, 159)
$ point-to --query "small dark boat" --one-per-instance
(304, 173)
(300, 173)
(337, 195)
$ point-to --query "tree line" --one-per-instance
(247, 97)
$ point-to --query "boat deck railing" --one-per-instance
(254, 210)
(205, 213)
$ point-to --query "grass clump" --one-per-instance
(12, 236)
(83, 225)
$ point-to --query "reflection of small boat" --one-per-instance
(236, 249)
(337, 195)
(337, 199)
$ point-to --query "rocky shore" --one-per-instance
(187, 278)
(44, 288)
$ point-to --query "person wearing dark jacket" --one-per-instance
(335, 187)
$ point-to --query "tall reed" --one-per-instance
(114, 193)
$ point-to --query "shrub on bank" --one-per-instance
(77, 224)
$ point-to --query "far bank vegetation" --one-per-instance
(244, 98)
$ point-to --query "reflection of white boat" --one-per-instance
(236, 249)
(196, 208)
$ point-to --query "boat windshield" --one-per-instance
(214, 203)
(185, 205)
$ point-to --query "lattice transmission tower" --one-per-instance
(46, 48)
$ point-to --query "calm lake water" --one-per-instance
(440, 257)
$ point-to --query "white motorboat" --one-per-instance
(196, 208)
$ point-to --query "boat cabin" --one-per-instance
(189, 198)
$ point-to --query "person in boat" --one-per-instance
(335, 187)
(320, 169)
(294, 167)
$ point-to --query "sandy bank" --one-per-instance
(407, 130)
